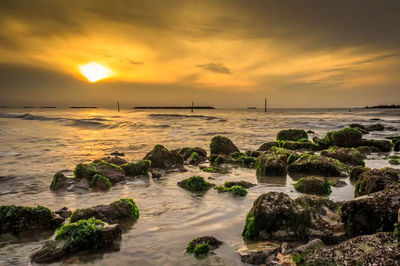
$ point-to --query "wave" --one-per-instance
(187, 116)
(89, 122)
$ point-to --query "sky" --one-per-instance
(309, 53)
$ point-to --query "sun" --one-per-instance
(95, 72)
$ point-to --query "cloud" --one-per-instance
(216, 67)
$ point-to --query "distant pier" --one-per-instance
(173, 107)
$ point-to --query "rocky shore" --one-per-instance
(278, 229)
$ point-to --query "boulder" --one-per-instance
(375, 127)
(257, 253)
(300, 145)
(381, 145)
(268, 165)
(312, 164)
(375, 180)
(193, 156)
(194, 183)
(291, 134)
(112, 171)
(222, 145)
(60, 181)
(376, 249)
(137, 168)
(236, 190)
(241, 183)
(115, 160)
(348, 156)
(100, 182)
(202, 245)
(356, 172)
(88, 234)
(363, 129)
(64, 212)
(267, 146)
(123, 209)
(336, 182)
(365, 150)
(313, 185)
(242, 159)
(217, 159)
(347, 137)
(16, 219)
(371, 213)
(396, 146)
(275, 216)
(162, 158)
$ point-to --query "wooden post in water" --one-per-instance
(265, 105)
(192, 106)
(118, 105)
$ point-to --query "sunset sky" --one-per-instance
(223, 53)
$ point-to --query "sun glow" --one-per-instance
(95, 72)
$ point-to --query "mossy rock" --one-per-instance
(347, 137)
(16, 219)
(85, 171)
(202, 245)
(235, 190)
(218, 159)
(291, 134)
(267, 146)
(91, 234)
(300, 145)
(312, 164)
(193, 155)
(160, 157)
(356, 172)
(275, 216)
(100, 182)
(365, 150)
(360, 127)
(194, 183)
(376, 180)
(372, 213)
(123, 209)
(241, 183)
(241, 159)
(268, 165)
(396, 146)
(375, 127)
(222, 145)
(381, 145)
(394, 161)
(315, 185)
(336, 182)
(138, 168)
(348, 156)
(60, 181)
(114, 160)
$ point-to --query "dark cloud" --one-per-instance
(216, 67)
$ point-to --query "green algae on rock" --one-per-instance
(241, 183)
(90, 234)
(163, 158)
(291, 134)
(100, 182)
(16, 219)
(138, 168)
(315, 185)
(375, 180)
(349, 156)
(194, 183)
(115, 212)
(267, 165)
(222, 145)
(236, 190)
(347, 137)
(203, 245)
(312, 164)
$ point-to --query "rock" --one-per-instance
(117, 153)
(310, 132)
(202, 245)
(291, 134)
(60, 181)
(346, 155)
(396, 146)
(193, 156)
(356, 172)
(254, 154)
(88, 234)
(194, 183)
(111, 171)
(100, 182)
(376, 249)
(311, 245)
(115, 160)
(301, 145)
(267, 165)
(375, 180)
(313, 185)
(217, 159)
(382, 145)
(312, 164)
(241, 159)
(257, 253)
(64, 212)
(137, 168)
(347, 137)
(16, 219)
(162, 158)
(267, 146)
(115, 212)
(336, 182)
(275, 216)
(241, 183)
(359, 127)
(222, 145)
(157, 173)
(394, 159)
(375, 127)
(371, 213)
(236, 190)
(364, 150)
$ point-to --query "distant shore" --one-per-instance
(173, 107)
(383, 106)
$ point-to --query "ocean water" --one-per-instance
(36, 143)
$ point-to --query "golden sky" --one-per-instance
(309, 53)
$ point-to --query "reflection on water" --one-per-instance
(34, 146)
